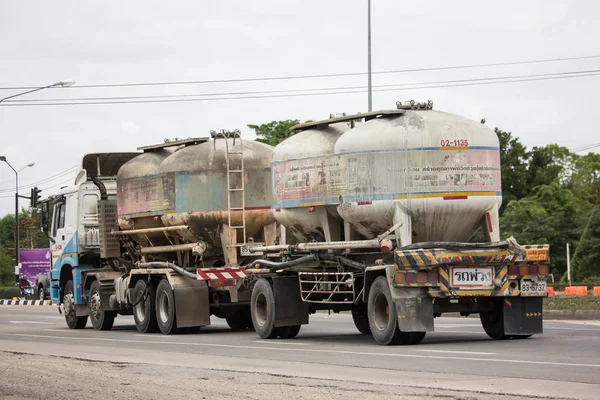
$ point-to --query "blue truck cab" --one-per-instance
(73, 228)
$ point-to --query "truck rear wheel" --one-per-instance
(241, 319)
(289, 332)
(262, 306)
(493, 322)
(102, 320)
(383, 318)
(166, 316)
(360, 316)
(73, 321)
(144, 309)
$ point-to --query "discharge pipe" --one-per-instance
(165, 264)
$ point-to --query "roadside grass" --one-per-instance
(563, 302)
(8, 292)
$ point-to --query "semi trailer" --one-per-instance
(371, 213)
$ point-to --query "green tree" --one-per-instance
(548, 164)
(513, 168)
(550, 215)
(585, 260)
(274, 132)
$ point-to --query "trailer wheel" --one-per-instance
(262, 305)
(289, 332)
(165, 308)
(241, 319)
(493, 322)
(102, 320)
(360, 316)
(73, 321)
(383, 318)
(144, 309)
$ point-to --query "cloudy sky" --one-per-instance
(100, 43)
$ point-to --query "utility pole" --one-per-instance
(369, 52)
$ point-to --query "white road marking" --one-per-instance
(320, 351)
(551, 328)
(280, 342)
(480, 353)
(469, 332)
(31, 322)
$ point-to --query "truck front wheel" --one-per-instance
(41, 293)
(144, 306)
(102, 320)
(73, 321)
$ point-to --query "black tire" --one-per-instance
(144, 309)
(241, 319)
(73, 321)
(360, 316)
(102, 320)
(493, 322)
(520, 337)
(166, 316)
(289, 332)
(383, 318)
(41, 293)
(262, 305)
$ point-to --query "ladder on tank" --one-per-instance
(237, 156)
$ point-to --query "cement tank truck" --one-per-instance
(368, 213)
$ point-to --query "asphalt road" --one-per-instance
(562, 363)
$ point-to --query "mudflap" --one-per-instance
(289, 307)
(414, 309)
(191, 301)
(523, 315)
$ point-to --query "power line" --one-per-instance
(317, 76)
(42, 189)
(397, 88)
(585, 148)
(42, 181)
(299, 90)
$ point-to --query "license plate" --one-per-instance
(473, 277)
(533, 288)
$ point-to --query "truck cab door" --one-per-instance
(64, 246)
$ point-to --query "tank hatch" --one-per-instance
(415, 105)
(366, 117)
(174, 142)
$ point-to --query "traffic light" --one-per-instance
(35, 197)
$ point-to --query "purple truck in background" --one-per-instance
(35, 265)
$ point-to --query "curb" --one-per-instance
(572, 314)
(25, 302)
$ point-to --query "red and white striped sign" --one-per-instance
(209, 274)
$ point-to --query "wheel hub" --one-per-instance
(163, 308)
(69, 305)
(95, 306)
(381, 312)
(261, 310)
